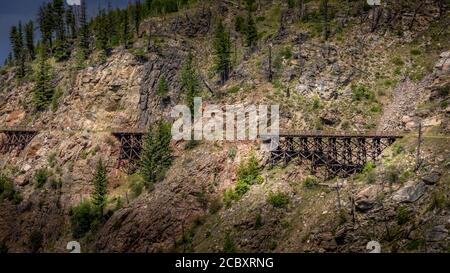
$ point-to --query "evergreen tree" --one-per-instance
(42, 92)
(58, 13)
(84, 30)
(163, 89)
(126, 39)
(148, 6)
(190, 81)
(16, 37)
(137, 16)
(222, 47)
(29, 39)
(101, 28)
(156, 154)
(99, 196)
(45, 20)
(71, 22)
(251, 32)
(250, 5)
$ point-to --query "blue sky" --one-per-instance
(13, 11)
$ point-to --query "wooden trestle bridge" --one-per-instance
(338, 154)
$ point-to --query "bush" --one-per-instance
(278, 200)
(83, 218)
(215, 205)
(228, 245)
(368, 167)
(403, 215)
(229, 196)
(310, 182)
(7, 191)
(398, 61)
(361, 92)
(258, 221)
(35, 241)
(248, 174)
(41, 177)
(392, 175)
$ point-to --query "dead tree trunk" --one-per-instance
(325, 19)
(270, 64)
(419, 141)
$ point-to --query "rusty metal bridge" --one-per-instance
(336, 153)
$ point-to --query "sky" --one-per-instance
(13, 11)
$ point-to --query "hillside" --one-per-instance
(379, 69)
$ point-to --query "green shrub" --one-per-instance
(191, 144)
(248, 174)
(361, 92)
(7, 191)
(234, 89)
(278, 200)
(310, 182)
(397, 149)
(41, 177)
(403, 215)
(228, 245)
(136, 189)
(229, 196)
(392, 175)
(215, 205)
(398, 61)
(35, 241)
(232, 153)
(414, 245)
(368, 167)
(3, 248)
(258, 221)
(83, 218)
(415, 52)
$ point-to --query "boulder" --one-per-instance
(409, 193)
(431, 178)
(365, 199)
(437, 234)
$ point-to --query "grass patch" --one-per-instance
(278, 200)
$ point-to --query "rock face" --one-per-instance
(365, 199)
(155, 221)
(411, 192)
(166, 63)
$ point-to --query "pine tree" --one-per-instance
(190, 81)
(16, 37)
(163, 89)
(251, 32)
(29, 39)
(222, 46)
(156, 154)
(126, 39)
(42, 92)
(45, 20)
(137, 16)
(148, 7)
(58, 13)
(99, 196)
(71, 22)
(84, 30)
(102, 32)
